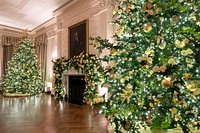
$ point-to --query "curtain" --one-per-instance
(10, 45)
(41, 52)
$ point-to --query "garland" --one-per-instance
(90, 65)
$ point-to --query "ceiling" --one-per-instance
(28, 14)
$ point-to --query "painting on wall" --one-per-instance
(78, 38)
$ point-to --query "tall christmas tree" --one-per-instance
(22, 75)
(154, 74)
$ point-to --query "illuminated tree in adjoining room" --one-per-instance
(154, 77)
(22, 75)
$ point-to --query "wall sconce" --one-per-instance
(54, 55)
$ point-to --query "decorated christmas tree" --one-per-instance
(22, 75)
(153, 76)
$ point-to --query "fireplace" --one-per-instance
(76, 88)
(74, 82)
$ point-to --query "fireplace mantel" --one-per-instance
(72, 71)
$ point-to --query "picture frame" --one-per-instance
(78, 38)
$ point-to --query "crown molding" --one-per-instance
(60, 10)
(10, 31)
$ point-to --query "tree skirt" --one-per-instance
(15, 95)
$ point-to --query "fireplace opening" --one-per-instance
(76, 89)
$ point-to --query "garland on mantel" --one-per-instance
(90, 65)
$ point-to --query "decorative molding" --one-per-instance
(60, 10)
(6, 27)
(59, 25)
(52, 32)
(110, 4)
(11, 33)
(22, 4)
(40, 40)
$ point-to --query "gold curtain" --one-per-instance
(41, 52)
(10, 44)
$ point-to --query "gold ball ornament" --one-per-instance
(167, 82)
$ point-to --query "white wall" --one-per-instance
(84, 9)
(51, 55)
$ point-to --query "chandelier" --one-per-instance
(108, 3)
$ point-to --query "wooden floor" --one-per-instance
(42, 114)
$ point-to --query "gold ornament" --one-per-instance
(150, 12)
(197, 92)
(127, 93)
(180, 44)
(175, 19)
(128, 11)
(150, 60)
(122, 80)
(186, 41)
(156, 101)
(145, 66)
(173, 111)
(120, 11)
(131, 6)
(112, 51)
(188, 60)
(133, 46)
(159, 69)
(189, 51)
(162, 45)
(167, 82)
(149, 51)
(176, 101)
(171, 61)
(177, 117)
(151, 105)
(191, 86)
(156, 68)
(158, 9)
(147, 27)
(184, 53)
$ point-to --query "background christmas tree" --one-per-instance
(22, 75)
(153, 77)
